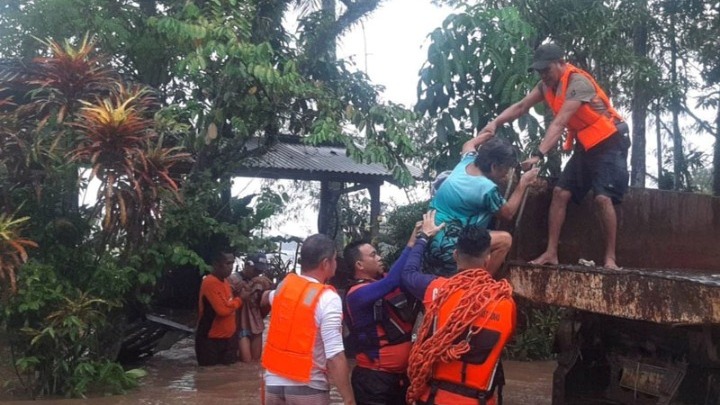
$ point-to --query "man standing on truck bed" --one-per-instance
(599, 160)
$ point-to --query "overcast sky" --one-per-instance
(392, 45)
(395, 37)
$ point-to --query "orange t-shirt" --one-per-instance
(216, 309)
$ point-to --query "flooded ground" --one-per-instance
(174, 378)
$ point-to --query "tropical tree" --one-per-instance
(701, 38)
(477, 66)
(13, 251)
(70, 112)
(640, 87)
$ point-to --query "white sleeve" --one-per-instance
(328, 316)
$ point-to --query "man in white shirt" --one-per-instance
(304, 348)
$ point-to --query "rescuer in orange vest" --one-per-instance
(304, 344)
(469, 318)
(595, 130)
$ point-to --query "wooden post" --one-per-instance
(323, 210)
(374, 190)
(330, 192)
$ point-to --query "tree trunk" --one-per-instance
(148, 7)
(267, 22)
(658, 134)
(328, 7)
(639, 103)
(328, 218)
(374, 190)
(716, 155)
(675, 106)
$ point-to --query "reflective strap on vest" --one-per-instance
(436, 385)
(497, 383)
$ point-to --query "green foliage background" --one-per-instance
(228, 80)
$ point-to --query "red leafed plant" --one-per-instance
(69, 74)
(12, 248)
(117, 140)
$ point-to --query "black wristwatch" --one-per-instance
(537, 153)
(422, 235)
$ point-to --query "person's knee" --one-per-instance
(603, 200)
(561, 195)
(500, 240)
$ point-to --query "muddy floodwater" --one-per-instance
(174, 378)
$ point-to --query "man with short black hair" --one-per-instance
(380, 318)
(598, 132)
(215, 341)
(304, 347)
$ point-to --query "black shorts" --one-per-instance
(210, 352)
(373, 387)
(602, 169)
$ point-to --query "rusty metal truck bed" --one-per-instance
(665, 296)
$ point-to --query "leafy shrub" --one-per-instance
(535, 337)
(400, 222)
(104, 376)
(66, 338)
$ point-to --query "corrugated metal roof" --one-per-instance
(329, 159)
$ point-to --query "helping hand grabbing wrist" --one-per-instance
(428, 228)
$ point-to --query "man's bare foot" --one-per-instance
(545, 258)
(610, 264)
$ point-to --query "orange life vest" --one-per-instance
(291, 337)
(589, 126)
(474, 377)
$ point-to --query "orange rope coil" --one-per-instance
(481, 293)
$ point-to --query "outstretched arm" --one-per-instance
(412, 280)
(554, 131)
(367, 295)
(514, 112)
(558, 124)
(479, 139)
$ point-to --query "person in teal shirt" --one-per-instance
(470, 196)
